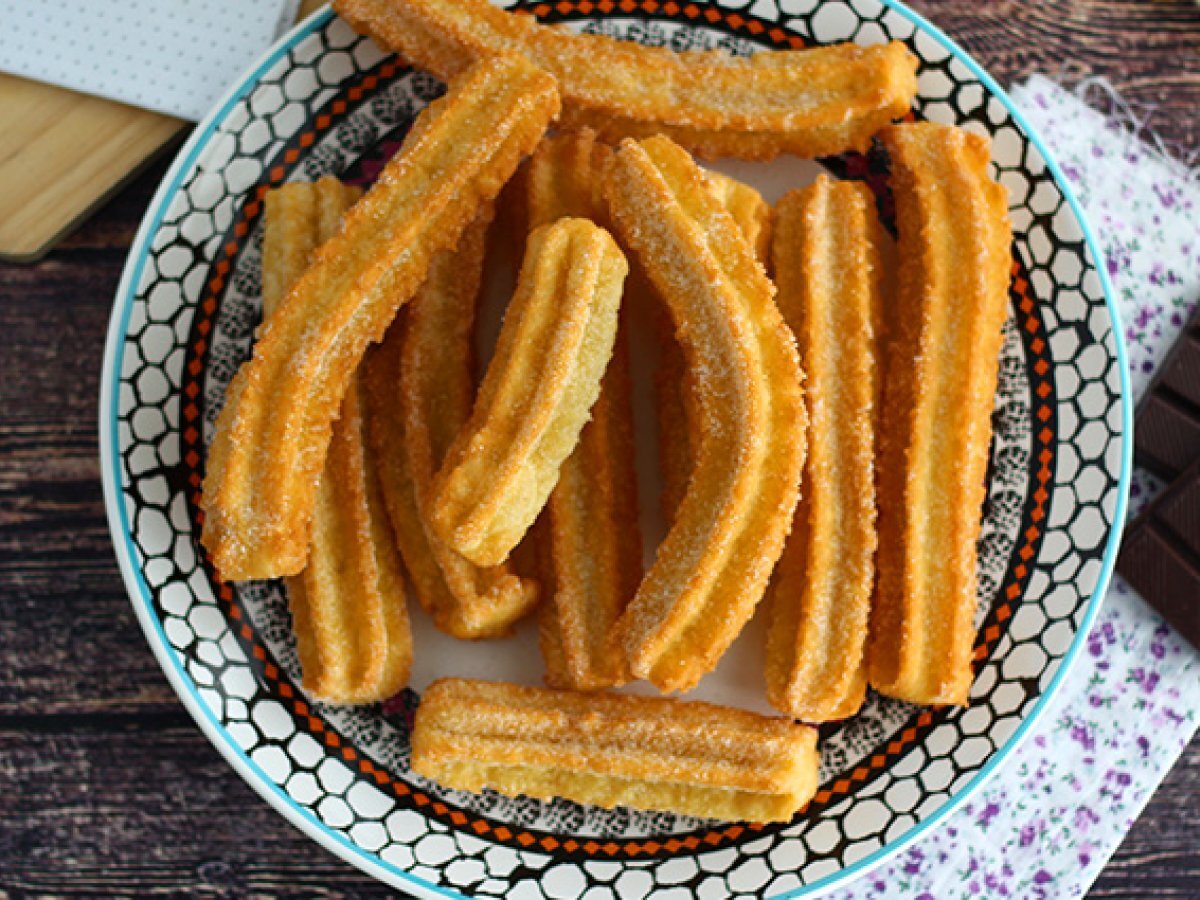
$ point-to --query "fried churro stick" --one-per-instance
(812, 102)
(750, 211)
(556, 340)
(612, 750)
(347, 606)
(273, 434)
(563, 178)
(419, 385)
(712, 568)
(955, 261)
(593, 516)
(828, 271)
(678, 418)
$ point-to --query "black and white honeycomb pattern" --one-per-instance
(375, 827)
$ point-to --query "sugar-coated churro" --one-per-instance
(348, 605)
(828, 272)
(596, 546)
(535, 398)
(750, 211)
(564, 178)
(811, 102)
(419, 386)
(272, 436)
(678, 418)
(612, 750)
(955, 260)
(712, 568)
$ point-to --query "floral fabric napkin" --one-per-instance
(1045, 825)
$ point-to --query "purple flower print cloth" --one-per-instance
(1047, 822)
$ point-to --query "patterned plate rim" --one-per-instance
(304, 819)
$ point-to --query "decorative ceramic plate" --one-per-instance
(327, 101)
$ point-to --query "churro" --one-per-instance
(556, 340)
(272, 436)
(564, 178)
(611, 750)
(593, 518)
(828, 272)
(955, 260)
(348, 605)
(419, 386)
(712, 568)
(678, 418)
(811, 102)
(751, 213)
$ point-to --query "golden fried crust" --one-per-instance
(678, 416)
(612, 750)
(897, 73)
(273, 434)
(712, 568)
(812, 102)
(751, 213)
(677, 423)
(545, 376)
(348, 609)
(562, 179)
(827, 269)
(955, 261)
(419, 387)
(596, 546)
(595, 539)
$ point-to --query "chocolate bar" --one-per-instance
(1160, 555)
(1166, 436)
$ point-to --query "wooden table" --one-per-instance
(107, 788)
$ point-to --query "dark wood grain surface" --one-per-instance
(107, 788)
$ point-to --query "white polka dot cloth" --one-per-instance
(171, 56)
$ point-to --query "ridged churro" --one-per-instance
(348, 605)
(712, 568)
(419, 386)
(612, 750)
(955, 260)
(564, 178)
(596, 546)
(556, 340)
(272, 436)
(678, 418)
(811, 102)
(750, 211)
(828, 272)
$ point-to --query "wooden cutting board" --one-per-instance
(62, 154)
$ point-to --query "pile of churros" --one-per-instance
(824, 410)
